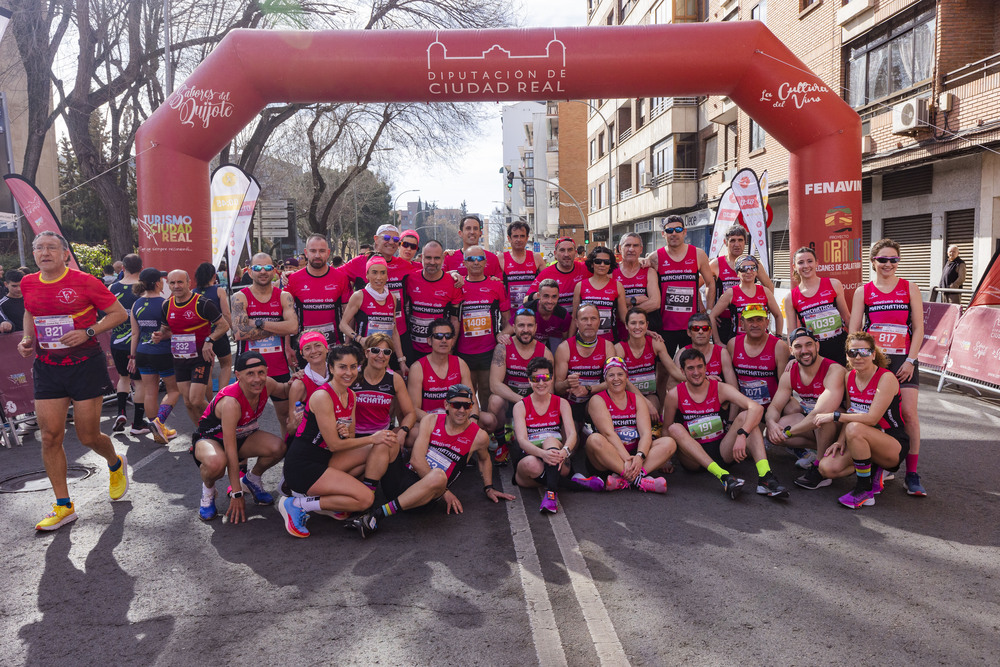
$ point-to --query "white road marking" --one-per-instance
(969, 412)
(544, 631)
(602, 631)
(92, 493)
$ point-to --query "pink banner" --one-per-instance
(939, 328)
(17, 387)
(975, 347)
(36, 210)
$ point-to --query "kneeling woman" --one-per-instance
(873, 437)
(544, 429)
(378, 392)
(313, 465)
(623, 440)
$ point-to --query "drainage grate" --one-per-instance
(37, 480)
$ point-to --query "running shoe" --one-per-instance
(366, 524)
(653, 484)
(118, 484)
(877, 483)
(295, 517)
(260, 496)
(594, 483)
(732, 486)
(549, 503)
(120, 422)
(58, 517)
(143, 429)
(616, 483)
(913, 486)
(159, 432)
(207, 510)
(857, 499)
(501, 456)
(812, 479)
(805, 460)
(768, 486)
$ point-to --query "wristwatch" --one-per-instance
(642, 454)
(743, 432)
(787, 431)
(259, 323)
(235, 494)
(90, 332)
(836, 416)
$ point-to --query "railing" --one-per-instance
(675, 175)
(625, 194)
(551, 145)
(977, 69)
(624, 134)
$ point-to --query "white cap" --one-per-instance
(387, 228)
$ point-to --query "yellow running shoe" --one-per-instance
(167, 431)
(60, 515)
(119, 479)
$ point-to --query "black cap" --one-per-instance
(249, 360)
(151, 275)
(459, 391)
(799, 333)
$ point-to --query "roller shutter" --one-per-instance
(780, 259)
(913, 234)
(960, 230)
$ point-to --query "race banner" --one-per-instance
(725, 217)
(975, 348)
(939, 329)
(229, 186)
(241, 227)
(36, 210)
(988, 291)
(747, 189)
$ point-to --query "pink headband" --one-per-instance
(614, 362)
(312, 337)
(374, 260)
(410, 232)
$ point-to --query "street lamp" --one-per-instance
(397, 199)
(512, 175)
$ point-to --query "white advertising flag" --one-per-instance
(241, 227)
(746, 187)
(725, 217)
(229, 186)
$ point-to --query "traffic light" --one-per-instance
(510, 180)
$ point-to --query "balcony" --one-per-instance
(668, 103)
(551, 145)
(721, 110)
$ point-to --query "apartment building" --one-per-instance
(548, 193)
(924, 77)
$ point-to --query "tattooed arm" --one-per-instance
(243, 328)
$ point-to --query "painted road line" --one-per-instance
(602, 631)
(98, 490)
(544, 631)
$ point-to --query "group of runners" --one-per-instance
(392, 373)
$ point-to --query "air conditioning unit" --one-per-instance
(647, 181)
(909, 116)
(867, 144)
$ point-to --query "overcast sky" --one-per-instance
(473, 175)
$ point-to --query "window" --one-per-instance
(611, 135)
(624, 6)
(640, 112)
(806, 4)
(593, 199)
(553, 199)
(640, 171)
(661, 14)
(730, 147)
(759, 13)
(600, 144)
(593, 150)
(687, 11)
(711, 154)
(614, 193)
(894, 56)
(757, 136)
(663, 157)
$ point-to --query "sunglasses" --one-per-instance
(524, 311)
(390, 237)
(746, 269)
(460, 405)
(891, 260)
(860, 352)
(262, 267)
(673, 230)
(443, 336)
(476, 258)
(700, 327)
(380, 350)
(411, 246)
(603, 262)
(541, 377)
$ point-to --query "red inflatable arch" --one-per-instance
(743, 60)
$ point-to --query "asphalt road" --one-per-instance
(615, 578)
